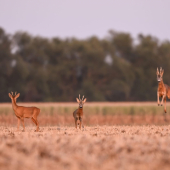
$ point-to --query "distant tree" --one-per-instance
(110, 69)
(123, 44)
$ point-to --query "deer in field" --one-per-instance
(163, 89)
(22, 112)
(78, 113)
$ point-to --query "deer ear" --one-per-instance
(17, 95)
(162, 72)
(10, 95)
(84, 100)
(77, 100)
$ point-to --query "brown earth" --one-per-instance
(93, 148)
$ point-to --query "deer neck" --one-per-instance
(161, 83)
(14, 105)
(80, 109)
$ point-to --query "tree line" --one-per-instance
(115, 68)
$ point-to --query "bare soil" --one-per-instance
(92, 148)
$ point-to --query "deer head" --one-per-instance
(159, 74)
(13, 96)
(81, 101)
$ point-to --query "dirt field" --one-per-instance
(98, 147)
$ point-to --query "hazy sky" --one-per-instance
(84, 18)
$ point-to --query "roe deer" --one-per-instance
(78, 113)
(22, 112)
(163, 89)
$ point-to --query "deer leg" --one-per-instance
(158, 98)
(80, 122)
(36, 123)
(18, 124)
(165, 104)
(163, 97)
(37, 126)
(165, 110)
(76, 122)
(34, 119)
(22, 120)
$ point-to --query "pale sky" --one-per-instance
(85, 18)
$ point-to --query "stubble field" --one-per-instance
(98, 147)
(131, 136)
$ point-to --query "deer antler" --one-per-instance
(161, 69)
(15, 93)
(79, 97)
(83, 97)
(12, 93)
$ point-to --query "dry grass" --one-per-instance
(101, 113)
(94, 120)
(98, 147)
(59, 145)
(92, 108)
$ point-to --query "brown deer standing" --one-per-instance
(163, 89)
(78, 113)
(22, 112)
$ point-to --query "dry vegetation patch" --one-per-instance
(98, 147)
(95, 113)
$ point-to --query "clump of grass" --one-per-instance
(132, 111)
(6, 110)
(52, 111)
(104, 111)
(97, 110)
